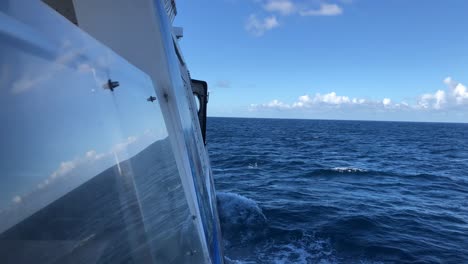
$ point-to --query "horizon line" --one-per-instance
(331, 119)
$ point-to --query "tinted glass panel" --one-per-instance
(88, 172)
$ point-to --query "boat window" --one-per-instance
(88, 173)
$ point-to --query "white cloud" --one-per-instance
(284, 7)
(331, 98)
(258, 27)
(435, 101)
(454, 97)
(448, 81)
(274, 104)
(67, 167)
(326, 99)
(27, 83)
(459, 91)
(386, 101)
(307, 101)
(92, 155)
(324, 10)
(277, 104)
(17, 199)
(34, 78)
(288, 7)
(223, 84)
(67, 57)
(64, 168)
(121, 146)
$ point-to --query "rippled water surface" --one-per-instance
(308, 191)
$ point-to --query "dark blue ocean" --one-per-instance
(317, 191)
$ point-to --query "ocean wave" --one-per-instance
(335, 171)
(287, 247)
(238, 209)
(373, 190)
(348, 169)
(306, 249)
(228, 260)
(356, 223)
(253, 165)
(241, 218)
(248, 238)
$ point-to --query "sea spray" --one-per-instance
(241, 218)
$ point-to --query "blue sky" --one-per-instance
(339, 59)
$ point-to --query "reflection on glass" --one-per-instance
(88, 174)
(197, 101)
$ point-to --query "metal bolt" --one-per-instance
(151, 99)
(112, 84)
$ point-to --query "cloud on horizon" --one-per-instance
(67, 168)
(455, 96)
